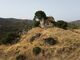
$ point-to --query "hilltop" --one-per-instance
(62, 45)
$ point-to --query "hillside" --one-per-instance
(62, 45)
(8, 25)
(77, 23)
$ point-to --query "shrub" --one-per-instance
(36, 23)
(21, 57)
(35, 36)
(10, 38)
(62, 24)
(36, 50)
(50, 41)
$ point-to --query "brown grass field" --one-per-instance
(66, 48)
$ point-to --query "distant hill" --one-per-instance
(13, 25)
(77, 22)
(74, 24)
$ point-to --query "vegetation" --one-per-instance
(12, 25)
(21, 57)
(62, 24)
(75, 23)
(35, 36)
(10, 38)
(68, 46)
(36, 50)
(40, 15)
(36, 23)
(50, 41)
(46, 48)
(73, 26)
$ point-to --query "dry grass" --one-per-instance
(67, 47)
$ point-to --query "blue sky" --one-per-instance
(67, 10)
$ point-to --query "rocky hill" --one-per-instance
(44, 44)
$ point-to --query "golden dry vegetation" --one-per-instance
(66, 48)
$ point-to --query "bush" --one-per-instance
(50, 41)
(62, 24)
(21, 57)
(36, 50)
(35, 36)
(10, 38)
(36, 23)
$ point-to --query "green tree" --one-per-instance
(62, 24)
(39, 15)
(36, 23)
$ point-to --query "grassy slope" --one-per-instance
(67, 48)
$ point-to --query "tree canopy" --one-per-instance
(40, 14)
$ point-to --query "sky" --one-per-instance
(67, 10)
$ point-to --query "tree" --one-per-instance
(36, 23)
(39, 15)
(72, 26)
(62, 24)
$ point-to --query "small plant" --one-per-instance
(21, 57)
(50, 41)
(35, 36)
(36, 50)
